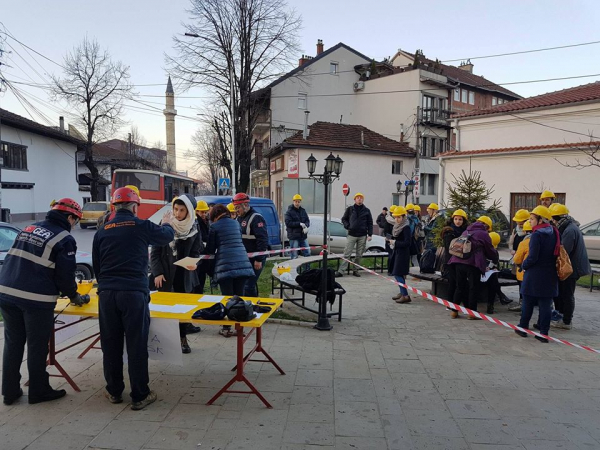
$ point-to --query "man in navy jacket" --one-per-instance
(296, 224)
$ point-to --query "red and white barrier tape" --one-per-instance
(268, 252)
(470, 312)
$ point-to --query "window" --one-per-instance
(591, 230)
(442, 148)
(471, 98)
(494, 101)
(143, 181)
(457, 95)
(14, 156)
(336, 229)
(500, 101)
(465, 95)
(431, 184)
(302, 100)
(396, 167)
(333, 68)
(7, 238)
(424, 146)
(433, 149)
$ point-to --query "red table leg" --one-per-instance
(52, 362)
(259, 348)
(91, 346)
(239, 368)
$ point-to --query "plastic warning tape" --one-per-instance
(269, 252)
(470, 312)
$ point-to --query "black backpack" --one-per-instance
(311, 281)
(427, 261)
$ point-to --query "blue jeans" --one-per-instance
(32, 326)
(295, 243)
(125, 317)
(545, 306)
(251, 286)
(400, 279)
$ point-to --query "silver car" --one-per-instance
(591, 237)
(8, 234)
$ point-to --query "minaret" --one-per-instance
(170, 114)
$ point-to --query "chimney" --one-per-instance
(61, 122)
(303, 60)
(305, 131)
(319, 47)
(401, 132)
(466, 66)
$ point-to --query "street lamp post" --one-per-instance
(331, 172)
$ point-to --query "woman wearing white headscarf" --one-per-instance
(188, 242)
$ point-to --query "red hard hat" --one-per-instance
(67, 205)
(125, 195)
(240, 198)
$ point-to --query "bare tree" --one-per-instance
(256, 40)
(591, 150)
(208, 154)
(95, 87)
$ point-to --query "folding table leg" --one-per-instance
(52, 362)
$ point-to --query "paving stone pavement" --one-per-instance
(388, 376)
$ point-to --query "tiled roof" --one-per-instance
(16, 121)
(581, 145)
(342, 136)
(577, 94)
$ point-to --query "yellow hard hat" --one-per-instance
(487, 221)
(231, 208)
(410, 207)
(542, 211)
(417, 208)
(521, 216)
(527, 226)
(297, 197)
(547, 194)
(459, 212)
(202, 206)
(392, 208)
(495, 238)
(433, 206)
(556, 209)
(399, 211)
(134, 189)
(358, 194)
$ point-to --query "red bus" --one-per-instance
(156, 188)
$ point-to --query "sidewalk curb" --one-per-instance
(296, 323)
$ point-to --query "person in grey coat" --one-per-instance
(572, 239)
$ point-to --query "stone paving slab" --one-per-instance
(389, 376)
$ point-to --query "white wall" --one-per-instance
(51, 166)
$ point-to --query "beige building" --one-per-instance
(524, 147)
(367, 157)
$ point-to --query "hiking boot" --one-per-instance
(190, 328)
(504, 300)
(556, 316)
(113, 398)
(397, 297)
(338, 274)
(10, 400)
(356, 274)
(151, 398)
(541, 339)
(536, 326)
(521, 333)
(185, 347)
(561, 324)
(516, 308)
(404, 299)
(454, 314)
(490, 309)
(48, 397)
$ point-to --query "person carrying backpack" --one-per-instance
(454, 228)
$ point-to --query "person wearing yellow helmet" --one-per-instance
(547, 198)
(400, 242)
(204, 267)
(454, 227)
(432, 211)
(540, 281)
(416, 231)
(571, 238)
(517, 235)
(358, 221)
(296, 226)
(232, 211)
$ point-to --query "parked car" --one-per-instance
(591, 238)
(8, 234)
(337, 236)
(92, 211)
(263, 206)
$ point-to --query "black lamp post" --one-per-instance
(331, 172)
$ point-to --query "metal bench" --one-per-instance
(595, 271)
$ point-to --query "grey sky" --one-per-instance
(139, 32)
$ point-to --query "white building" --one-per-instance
(524, 147)
(39, 165)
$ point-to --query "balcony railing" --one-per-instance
(435, 116)
(259, 164)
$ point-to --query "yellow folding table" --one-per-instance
(90, 310)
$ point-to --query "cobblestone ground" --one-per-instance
(388, 377)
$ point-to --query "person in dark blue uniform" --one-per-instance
(254, 236)
(120, 259)
(38, 268)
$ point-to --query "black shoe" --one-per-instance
(185, 347)
(541, 339)
(521, 333)
(356, 274)
(504, 300)
(490, 309)
(536, 326)
(10, 400)
(52, 395)
(338, 274)
(190, 328)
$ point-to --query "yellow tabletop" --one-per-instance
(171, 298)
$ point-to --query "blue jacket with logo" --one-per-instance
(120, 251)
(254, 233)
(41, 265)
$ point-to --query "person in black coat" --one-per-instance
(187, 243)
(358, 221)
(205, 266)
(232, 265)
(400, 242)
(296, 226)
(381, 222)
(454, 228)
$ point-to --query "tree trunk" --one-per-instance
(95, 175)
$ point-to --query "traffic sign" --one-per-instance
(224, 183)
(345, 190)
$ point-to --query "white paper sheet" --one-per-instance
(487, 275)
(187, 261)
(174, 309)
(164, 343)
(211, 298)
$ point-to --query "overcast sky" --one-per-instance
(139, 32)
